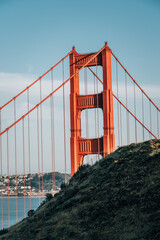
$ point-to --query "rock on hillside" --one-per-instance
(118, 198)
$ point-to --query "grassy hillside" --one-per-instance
(115, 199)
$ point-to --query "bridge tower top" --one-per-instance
(104, 100)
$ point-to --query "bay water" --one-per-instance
(12, 204)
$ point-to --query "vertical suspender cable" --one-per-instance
(95, 108)
(1, 173)
(86, 111)
(121, 125)
(143, 115)
(41, 135)
(64, 122)
(157, 123)
(117, 103)
(135, 112)
(127, 115)
(24, 176)
(29, 150)
(150, 111)
(52, 136)
(8, 179)
(38, 153)
(15, 144)
(98, 116)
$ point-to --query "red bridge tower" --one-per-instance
(104, 100)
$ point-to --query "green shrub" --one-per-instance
(49, 196)
(31, 212)
(3, 231)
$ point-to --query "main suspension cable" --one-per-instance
(35, 81)
(135, 81)
(134, 117)
(61, 85)
(128, 109)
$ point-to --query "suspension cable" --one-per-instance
(86, 111)
(157, 124)
(64, 124)
(29, 150)
(121, 126)
(61, 85)
(143, 116)
(8, 179)
(41, 135)
(38, 151)
(117, 104)
(129, 111)
(95, 108)
(150, 117)
(127, 115)
(135, 81)
(134, 117)
(24, 177)
(15, 144)
(52, 136)
(36, 80)
(1, 174)
(98, 117)
(135, 113)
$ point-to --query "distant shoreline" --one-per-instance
(22, 197)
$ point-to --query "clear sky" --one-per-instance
(35, 34)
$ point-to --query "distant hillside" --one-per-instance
(118, 198)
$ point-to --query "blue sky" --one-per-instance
(35, 34)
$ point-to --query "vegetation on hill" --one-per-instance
(115, 199)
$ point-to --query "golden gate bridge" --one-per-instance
(101, 109)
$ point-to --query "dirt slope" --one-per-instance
(118, 198)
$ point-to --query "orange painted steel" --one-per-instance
(15, 146)
(52, 136)
(29, 150)
(64, 125)
(1, 175)
(8, 180)
(35, 81)
(135, 82)
(24, 169)
(142, 124)
(95, 75)
(60, 86)
(89, 101)
(79, 146)
(135, 117)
